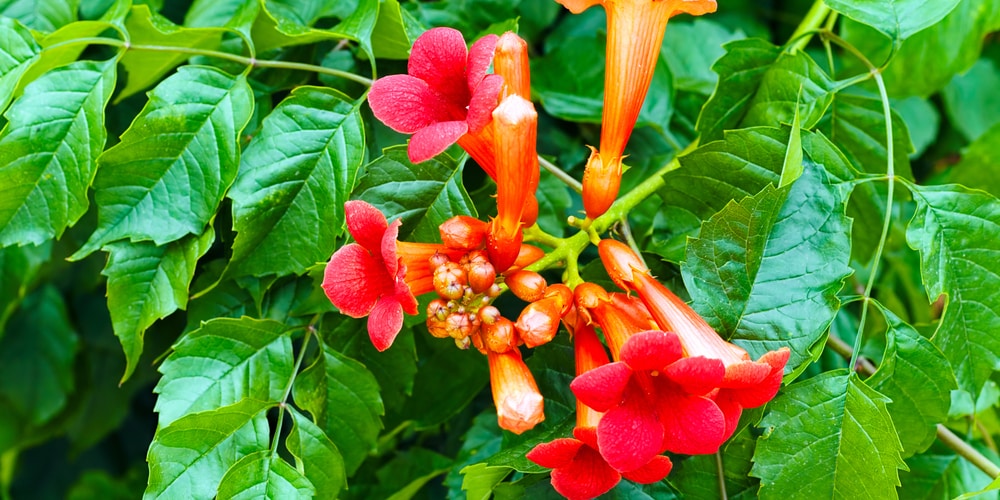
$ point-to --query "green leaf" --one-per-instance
(394, 369)
(316, 456)
(19, 267)
(828, 437)
(145, 67)
(980, 165)
(957, 233)
(698, 476)
(296, 174)
(166, 177)
(794, 84)
(59, 49)
(360, 24)
(857, 127)
(480, 479)
(939, 476)
(898, 19)
(424, 194)
(212, 13)
(690, 63)
(929, 59)
(765, 271)
(223, 362)
(971, 99)
(344, 400)
(740, 71)
(554, 204)
(41, 15)
(389, 38)
(18, 51)
(915, 375)
(189, 457)
(49, 150)
(146, 283)
(264, 475)
(446, 382)
(282, 24)
(712, 175)
(36, 361)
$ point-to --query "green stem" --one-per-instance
(560, 174)
(248, 61)
(288, 388)
(722, 476)
(810, 23)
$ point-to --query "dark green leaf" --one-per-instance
(554, 203)
(296, 174)
(36, 362)
(424, 194)
(49, 150)
(690, 63)
(980, 165)
(264, 475)
(957, 233)
(698, 476)
(793, 84)
(938, 476)
(765, 271)
(971, 99)
(42, 15)
(447, 380)
(360, 24)
(828, 437)
(394, 369)
(19, 266)
(283, 23)
(18, 51)
(188, 458)
(915, 375)
(148, 282)
(898, 19)
(740, 71)
(857, 127)
(144, 67)
(316, 455)
(213, 13)
(166, 177)
(59, 49)
(389, 38)
(922, 121)
(225, 361)
(344, 400)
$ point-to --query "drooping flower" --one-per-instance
(747, 383)
(519, 404)
(619, 315)
(635, 33)
(377, 276)
(515, 133)
(653, 400)
(447, 96)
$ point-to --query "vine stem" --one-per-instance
(247, 61)
(944, 434)
(810, 23)
(574, 184)
(288, 388)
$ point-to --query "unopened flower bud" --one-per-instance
(501, 336)
(527, 256)
(539, 322)
(461, 325)
(528, 286)
(437, 309)
(489, 315)
(437, 260)
(562, 296)
(481, 276)
(438, 328)
(494, 291)
(463, 233)
(462, 343)
(450, 280)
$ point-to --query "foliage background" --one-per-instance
(127, 219)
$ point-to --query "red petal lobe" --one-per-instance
(603, 387)
(432, 140)
(384, 323)
(353, 280)
(651, 350)
(653, 472)
(556, 453)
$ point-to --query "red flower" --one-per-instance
(446, 97)
(519, 404)
(654, 400)
(619, 315)
(377, 276)
(579, 470)
(747, 383)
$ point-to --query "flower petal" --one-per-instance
(603, 387)
(652, 472)
(578, 6)
(588, 476)
(384, 323)
(730, 409)
(407, 104)
(354, 280)
(556, 453)
(651, 350)
(754, 395)
(480, 58)
(630, 435)
(439, 58)
(694, 425)
(694, 7)
(433, 139)
(483, 102)
(697, 375)
(366, 224)
(388, 250)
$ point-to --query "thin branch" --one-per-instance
(560, 174)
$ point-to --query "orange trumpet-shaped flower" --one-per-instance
(516, 128)
(635, 33)
(519, 404)
(511, 62)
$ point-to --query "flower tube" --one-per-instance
(519, 404)
(635, 33)
(515, 122)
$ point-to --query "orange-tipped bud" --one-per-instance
(539, 321)
(562, 295)
(516, 124)
(481, 276)
(463, 233)
(519, 404)
(450, 280)
(500, 336)
(620, 261)
(530, 213)
(527, 256)
(461, 325)
(528, 286)
(438, 328)
(511, 62)
(601, 180)
(489, 315)
(504, 247)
